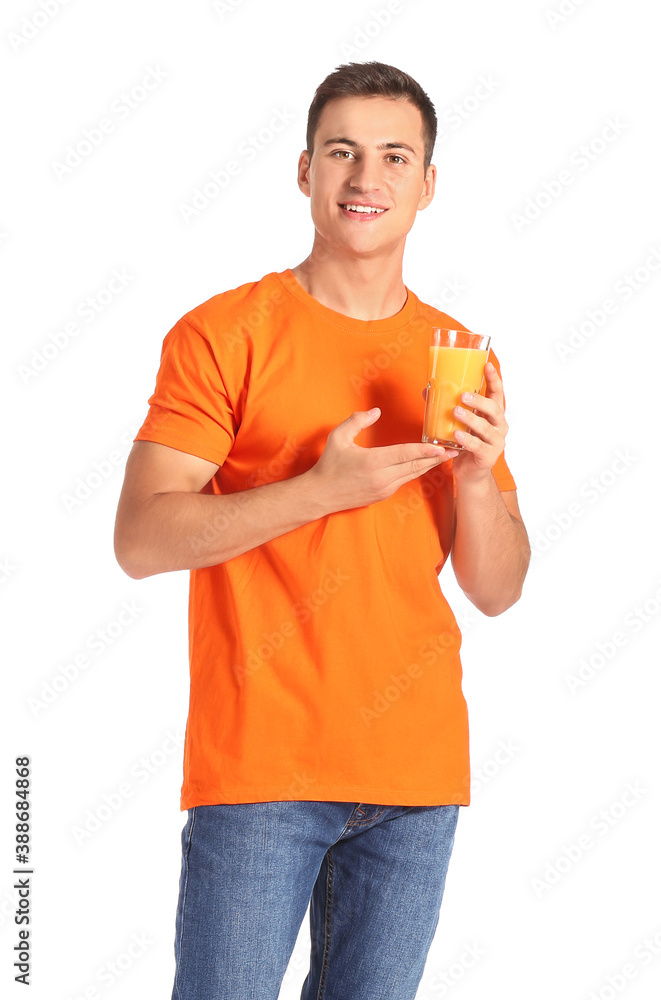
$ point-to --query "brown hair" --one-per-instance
(373, 79)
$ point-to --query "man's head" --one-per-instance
(366, 169)
(373, 79)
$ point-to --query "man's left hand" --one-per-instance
(488, 429)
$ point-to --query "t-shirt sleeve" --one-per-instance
(190, 408)
(500, 471)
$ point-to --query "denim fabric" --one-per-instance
(372, 875)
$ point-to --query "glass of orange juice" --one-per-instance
(456, 364)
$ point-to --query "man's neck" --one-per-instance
(367, 289)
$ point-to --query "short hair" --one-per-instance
(373, 79)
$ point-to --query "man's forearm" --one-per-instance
(181, 530)
(491, 551)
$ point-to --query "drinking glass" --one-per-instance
(456, 364)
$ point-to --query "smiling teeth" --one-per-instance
(363, 208)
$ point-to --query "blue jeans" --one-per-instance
(373, 877)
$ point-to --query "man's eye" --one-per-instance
(341, 151)
(396, 156)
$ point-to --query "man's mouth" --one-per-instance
(362, 211)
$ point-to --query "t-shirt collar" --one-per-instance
(331, 316)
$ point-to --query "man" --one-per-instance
(326, 751)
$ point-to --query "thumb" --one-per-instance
(359, 419)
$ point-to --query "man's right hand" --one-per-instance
(347, 475)
(164, 522)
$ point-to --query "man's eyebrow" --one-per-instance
(343, 141)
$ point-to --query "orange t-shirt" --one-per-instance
(324, 664)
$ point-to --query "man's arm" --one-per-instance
(164, 523)
(490, 548)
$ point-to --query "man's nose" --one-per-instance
(365, 175)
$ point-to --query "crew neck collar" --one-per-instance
(366, 326)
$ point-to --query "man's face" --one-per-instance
(367, 151)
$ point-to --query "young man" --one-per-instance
(326, 751)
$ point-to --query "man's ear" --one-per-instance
(304, 173)
(428, 187)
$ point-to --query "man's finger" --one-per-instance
(488, 405)
(397, 454)
(355, 423)
(494, 381)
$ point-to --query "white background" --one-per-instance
(543, 926)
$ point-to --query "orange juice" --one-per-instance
(452, 370)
